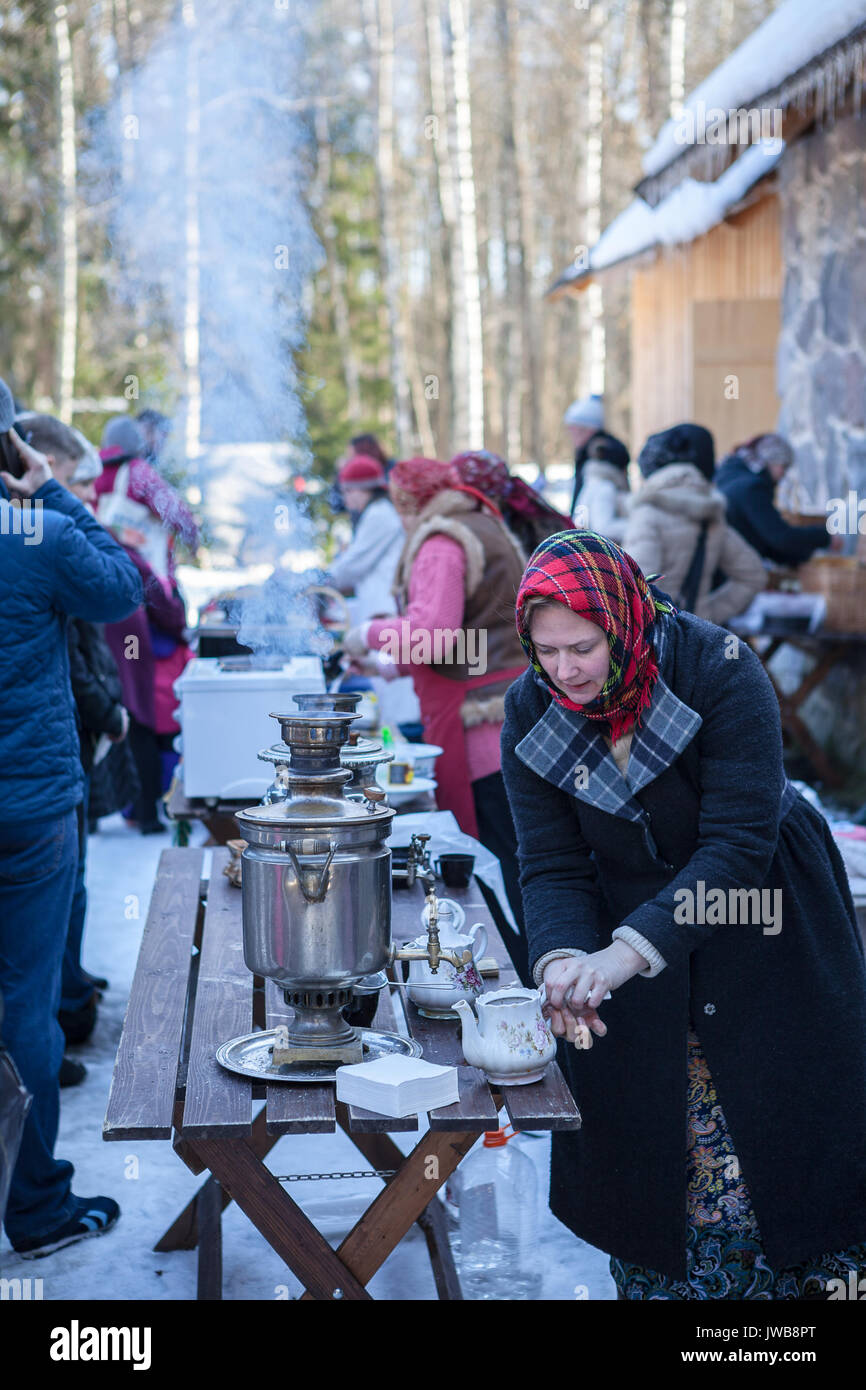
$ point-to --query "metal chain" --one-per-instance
(319, 1177)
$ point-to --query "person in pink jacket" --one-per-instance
(456, 580)
(122, 450)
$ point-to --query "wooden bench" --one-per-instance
(192, 991)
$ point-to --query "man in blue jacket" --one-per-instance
(56, 561)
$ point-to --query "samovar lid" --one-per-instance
(339, 702)
(361, 754)
(311, 810)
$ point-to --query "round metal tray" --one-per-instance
(251, 1056)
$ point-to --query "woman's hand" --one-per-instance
(576, 986)
(355, 642)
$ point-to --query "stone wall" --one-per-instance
(821, 370)
(822, 348)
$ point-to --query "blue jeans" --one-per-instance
(38, 862)
(75, 987)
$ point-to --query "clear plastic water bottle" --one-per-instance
(499, 1222)
(451, 1203)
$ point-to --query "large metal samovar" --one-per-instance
(317, 890)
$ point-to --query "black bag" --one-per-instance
(15, 1102)
(692, 582)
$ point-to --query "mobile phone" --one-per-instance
(10, 459)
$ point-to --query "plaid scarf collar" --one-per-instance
(596, 580)
(568, 750)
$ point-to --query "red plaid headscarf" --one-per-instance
(413, 482)
(599, 582)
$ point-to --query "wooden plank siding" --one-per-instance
(740, 260)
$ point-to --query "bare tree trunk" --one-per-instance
(517, 133)
(336, 270)
(381, 14)
(123, 41)
(420, 403)
(593, 353)
(677, 58)
(68, 226)
(452, 254)
(471, 287)
(192, 243)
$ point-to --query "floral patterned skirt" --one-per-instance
(724, 1255)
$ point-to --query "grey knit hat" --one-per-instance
(765, 450)
(588, 412)
(121, 439)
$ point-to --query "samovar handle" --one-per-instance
(312, 879)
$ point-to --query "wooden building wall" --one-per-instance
(704, 331)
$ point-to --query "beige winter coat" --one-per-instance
(662, 532)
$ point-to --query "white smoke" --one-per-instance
(216, 240)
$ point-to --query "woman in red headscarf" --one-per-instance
(456, 583)
(524, 512)
(659, 837)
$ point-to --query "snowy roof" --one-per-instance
(689, 211)
(789, 40)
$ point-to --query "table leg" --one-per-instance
(389, 1216)
(433, 1224)
(182, 1234)
(380, 1151)
(792, 722)
(283, 1224)
(210, 1245)
(796, 725)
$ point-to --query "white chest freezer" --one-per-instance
(224, 723)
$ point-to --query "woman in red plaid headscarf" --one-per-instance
(659, 836)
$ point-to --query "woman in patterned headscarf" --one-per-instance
(659, 837)
(527, 516)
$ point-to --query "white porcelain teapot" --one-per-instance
(511, 1041)
(435, 995)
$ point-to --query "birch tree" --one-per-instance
(192, 243)
(593, 354)
(68, 328)
(381, 23)
(336, 270)
(473, 435)
(452, 258)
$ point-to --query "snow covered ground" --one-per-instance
(152, 1185)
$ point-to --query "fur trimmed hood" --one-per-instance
(681, 489)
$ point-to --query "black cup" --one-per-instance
(456, 869)
(399, 856)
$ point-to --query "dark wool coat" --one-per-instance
(76, 569)
(781, 1016)
(95, 687)
(749, 497)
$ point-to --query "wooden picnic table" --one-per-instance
(828, 648)
(192, 991)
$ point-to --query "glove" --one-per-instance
(355, 641)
